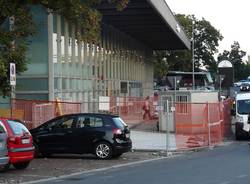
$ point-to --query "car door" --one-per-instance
(89, 129)
(3, 145)
(56, 135)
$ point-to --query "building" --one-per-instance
(61, 67)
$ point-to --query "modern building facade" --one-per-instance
(63, 67)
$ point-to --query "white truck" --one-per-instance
(240, 113)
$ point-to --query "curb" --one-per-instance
(180, 151)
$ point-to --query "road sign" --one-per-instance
(12, 74)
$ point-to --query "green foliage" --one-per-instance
(206, 41)
(236, 55)
(13, 41)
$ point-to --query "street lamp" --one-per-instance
(193, 22)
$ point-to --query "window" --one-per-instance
(182, 105)
(17, 127)
(119, 122)
(243, 106)
(65, 122)
(87, 121)
(2, 128)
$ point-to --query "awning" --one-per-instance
(149, 21)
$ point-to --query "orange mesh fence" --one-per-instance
(131, 108)
(36, 112)
(191, 125)
(198, 125)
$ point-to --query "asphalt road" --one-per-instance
(223, 165)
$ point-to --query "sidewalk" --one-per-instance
(145, 136)
(152, 140)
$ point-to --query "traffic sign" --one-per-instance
(12, 74)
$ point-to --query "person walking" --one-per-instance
(146, 108)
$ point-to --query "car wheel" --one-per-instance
(21, 165)
(4, 168)
(103, 150)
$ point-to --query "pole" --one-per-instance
(175, 89)
(220, 88)
(167, 139)
(11, 107)
(193, 54)
(11, 22)
(209, 128)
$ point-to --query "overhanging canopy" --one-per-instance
(149, 21)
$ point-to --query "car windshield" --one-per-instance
(119, 122)
(17, 127)
(243, 106)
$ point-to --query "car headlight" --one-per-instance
(239, 119)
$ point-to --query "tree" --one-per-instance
(206, 41)
(236, 55)
(14, 41)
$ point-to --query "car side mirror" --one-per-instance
(233, 113)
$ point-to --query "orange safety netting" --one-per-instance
(36, 112)
(200, 125)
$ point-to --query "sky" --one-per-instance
(230, 17)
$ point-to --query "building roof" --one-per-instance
(149, 21)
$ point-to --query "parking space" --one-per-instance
(58, 165)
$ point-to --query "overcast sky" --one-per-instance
(230, 17)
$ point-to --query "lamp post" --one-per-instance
(193, 54)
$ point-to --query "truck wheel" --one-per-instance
(238, 137)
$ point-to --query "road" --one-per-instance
(223, 165)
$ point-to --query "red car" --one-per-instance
(20, 143)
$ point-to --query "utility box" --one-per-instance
(191, 102)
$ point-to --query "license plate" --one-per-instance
(25, 141)
(127, 135)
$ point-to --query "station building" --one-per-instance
(65, 68)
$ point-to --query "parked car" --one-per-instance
(245, 87)
(19, 143)
(4, 159)
(104, 135)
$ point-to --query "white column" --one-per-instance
(50, 57)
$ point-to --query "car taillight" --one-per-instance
(13, 140)
(117, 131)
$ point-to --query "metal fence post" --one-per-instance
(167, 122)
(208, 122)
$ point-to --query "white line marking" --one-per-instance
(242, 176)
(225, 182)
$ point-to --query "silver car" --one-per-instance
(4, 159)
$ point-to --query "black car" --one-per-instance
(104, 135)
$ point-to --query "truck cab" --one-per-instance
(240, 113)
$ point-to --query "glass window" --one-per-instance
(17, 127)
(64, 122)
(243, 106)
(119, 122)
(87, 121)
(2, 128)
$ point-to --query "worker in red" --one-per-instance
(146, 109)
